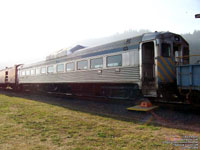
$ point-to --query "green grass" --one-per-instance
(30, 125)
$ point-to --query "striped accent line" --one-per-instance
(166, 69)
(168, 63)
(160, 77)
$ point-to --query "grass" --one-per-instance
(30, 125)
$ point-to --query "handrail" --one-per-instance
(181, 60)
(186, 56)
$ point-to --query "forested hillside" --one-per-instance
(194, 41)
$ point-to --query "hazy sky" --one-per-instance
(32, 29)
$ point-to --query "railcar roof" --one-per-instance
(128, 41)
(7, 68)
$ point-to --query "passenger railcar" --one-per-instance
(124, 69)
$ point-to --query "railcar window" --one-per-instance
(50, 69)
(18, 72)
(43, 70)
(186, 55)
(60, 68)
(27, 72)
(96, 63)
(23, 73)
(82, 65)
(177, 53)
(37, 71)
(113, 61)
(166, 50)
(32, 71)
(70, 66)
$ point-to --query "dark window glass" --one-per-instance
(60, 68)
(96, 63)
(113, 61)
(70, 66)
(166, 50)
(82, 65)
(186, 55)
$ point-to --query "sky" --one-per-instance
(32, 29)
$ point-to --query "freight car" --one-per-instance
(188, 82)
(143, 65)
(9, 77)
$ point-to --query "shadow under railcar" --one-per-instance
(167, 116)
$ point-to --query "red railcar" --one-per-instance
(8, 77)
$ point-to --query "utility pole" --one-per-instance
(197, 16)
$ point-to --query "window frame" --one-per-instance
(43, 72)
(47, 70)
(18, 73)
(94, 59)
(170, 54)
(185, 54)
(77, 63)
(23, 73)
(74, 64)
(34, 71)
(63, 68)
(107, 57)
(28, 70)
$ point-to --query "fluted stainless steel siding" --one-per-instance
(117, 75)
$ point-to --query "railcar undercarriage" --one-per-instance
(167, 93)
(107, 90)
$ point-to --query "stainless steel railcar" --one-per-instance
(123, 69)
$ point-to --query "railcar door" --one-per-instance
(148, 68)
(6, 76)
